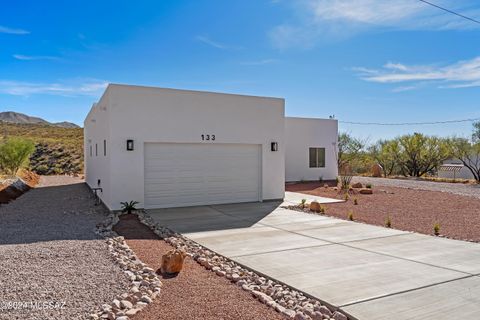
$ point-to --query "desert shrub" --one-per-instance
(14, 154)
(302, 204)
(345, 181)
(369, 186)
(350, 216)
(388, 222)
(58, 149)
(436, 229)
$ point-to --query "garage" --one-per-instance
(191, 174)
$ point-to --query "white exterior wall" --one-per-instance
(178, 116)
(97, 167)
(300, 135)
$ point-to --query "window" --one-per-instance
(105, 148)
(96, 149)
(317, 157)
(90, 150)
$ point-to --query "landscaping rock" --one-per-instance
(172, 261)
(357, 185)
(315, 206)
(366, 191)
(339, 316)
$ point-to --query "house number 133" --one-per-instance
(208, 137)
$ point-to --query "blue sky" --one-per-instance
(360, 60)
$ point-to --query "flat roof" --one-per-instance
(188, 90)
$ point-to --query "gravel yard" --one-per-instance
(455, 188)
(410, 209)
(50, 253)
(195, 293)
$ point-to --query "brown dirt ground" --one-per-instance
(195, 293)
(409, 209)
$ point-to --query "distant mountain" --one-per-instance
(16, 117)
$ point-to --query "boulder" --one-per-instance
(315, 206)
(366, 191)
(377, 170)
(357, 185)
(172, 261)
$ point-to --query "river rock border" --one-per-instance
(145, 285)
(284, 299)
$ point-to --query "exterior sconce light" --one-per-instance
(274, 146)
(129, 145)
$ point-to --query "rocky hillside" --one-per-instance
(58, 150)
(20, 118)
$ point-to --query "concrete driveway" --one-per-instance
(369, 272)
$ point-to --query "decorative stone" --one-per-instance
(172, 261)
(325, 311)
(289, 313)
(357, 185)
(125, 304)
(339, 316)
(366, 191)
(315, 206)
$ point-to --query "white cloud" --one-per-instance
(30, 58)
(88, 87)
(207, 40)
(461, 74)
(326, 19)
(13, 30)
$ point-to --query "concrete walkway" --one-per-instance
(369, 272)
(296, 198)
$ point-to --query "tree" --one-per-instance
(14, 154)
(387, 154)
(421, 154)
(476, 132)
(347, 149)
(468, 153)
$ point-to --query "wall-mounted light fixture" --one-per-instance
(274, 146)
(129, 145)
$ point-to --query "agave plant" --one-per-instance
(128, 207)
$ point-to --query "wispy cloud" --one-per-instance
(77, 87)
(8, 30)
(461, 74)
(30, 58)
(213, 43)
(259, 62)
(320, 19)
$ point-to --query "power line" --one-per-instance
(409, 123)
(450, 11)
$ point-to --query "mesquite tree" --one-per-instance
(468, 152)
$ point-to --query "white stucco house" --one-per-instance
(173, 148)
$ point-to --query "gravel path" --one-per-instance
(455, 188)
(195, 293)
(50, 254)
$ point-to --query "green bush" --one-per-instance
(14, 154)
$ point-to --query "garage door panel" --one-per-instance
(198, 174)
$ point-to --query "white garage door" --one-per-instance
(181, 174)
